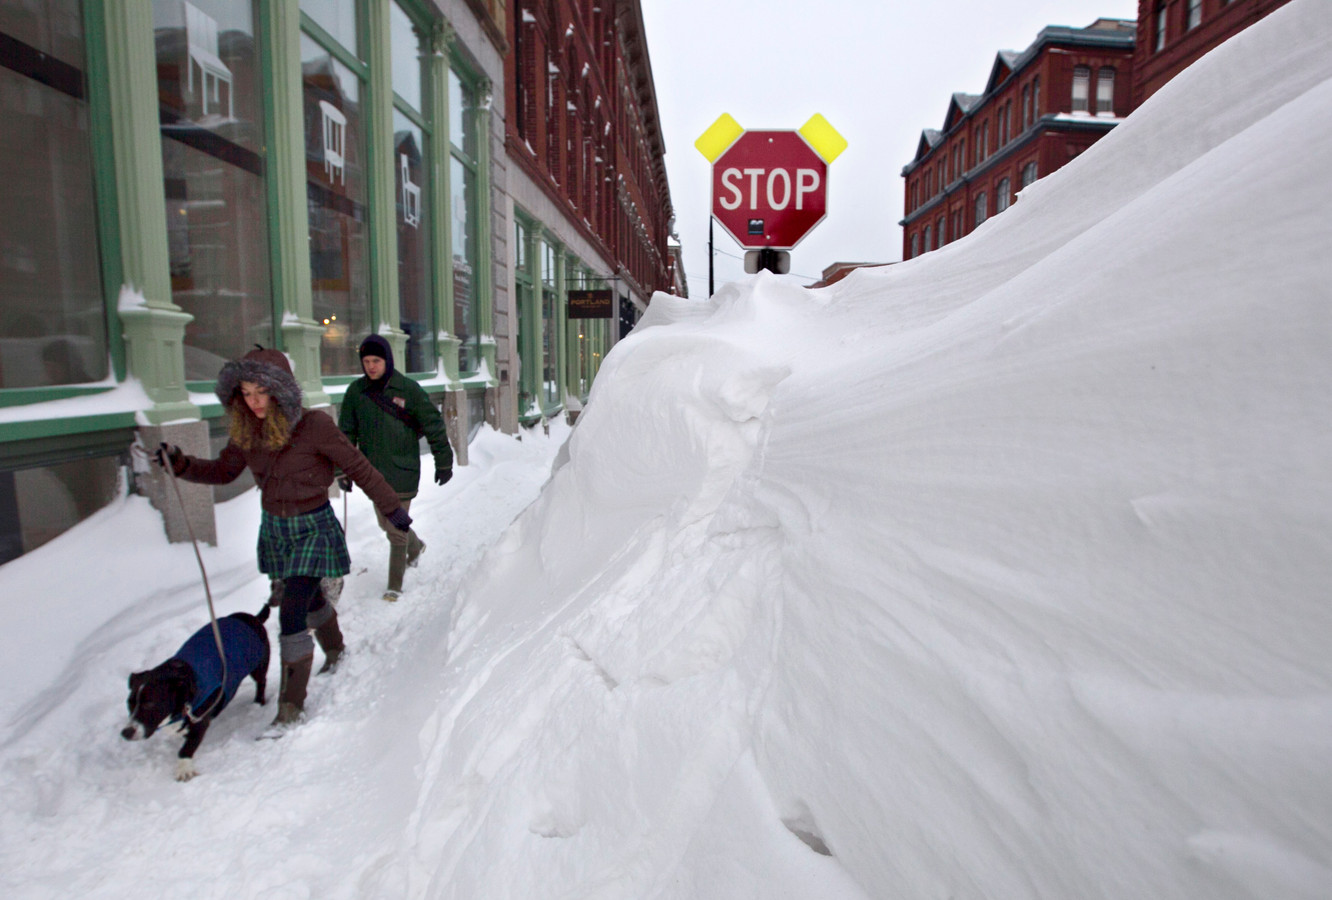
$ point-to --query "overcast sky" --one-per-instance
(880, 71)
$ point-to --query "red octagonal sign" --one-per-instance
(769, 189)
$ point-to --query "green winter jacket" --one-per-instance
(391, 445)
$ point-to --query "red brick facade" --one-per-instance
(583, 124)
(950, 189)
(1041, 108)
(1174, 33)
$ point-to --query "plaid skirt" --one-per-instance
(310, 544)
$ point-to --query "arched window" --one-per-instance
(1105, 91)
(928, 248)
(1029, 173)
(939, 230)
(982, 208)
(1160, 42)
(1003, 195)
(1081, 88)
(915, 246)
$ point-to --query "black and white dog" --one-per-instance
(188, 688)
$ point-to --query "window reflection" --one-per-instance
(210, 109)
(463, 193)
(338, 18)
(336, 200)
(52, 310)
(415, 309)
(462, 187)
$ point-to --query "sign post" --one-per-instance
(769, 188)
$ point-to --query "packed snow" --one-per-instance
(1000, 573)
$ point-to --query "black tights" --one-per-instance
(300, 597)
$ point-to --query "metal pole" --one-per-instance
(710, 257)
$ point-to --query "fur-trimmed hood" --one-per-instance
(269, 369)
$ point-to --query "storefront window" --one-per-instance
(463, 192)
(411, 146)
(52, 310)
(415, 310)
(338, 19)
(550, 379)
(211, 113)
(336, 199)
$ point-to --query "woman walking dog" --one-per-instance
(293, 454)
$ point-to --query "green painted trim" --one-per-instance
(329, 43)
(32, 429)
(379, 172)
(136, 141)
(25, 396)
(558, 339)
(37, 451)
(104, 176)
(485, 281)
(447, 345)
(412, 115)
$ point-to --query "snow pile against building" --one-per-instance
(1001, 573)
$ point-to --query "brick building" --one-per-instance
(1049, 103)
(1173, 33)
(1040, 108)
(587, 180)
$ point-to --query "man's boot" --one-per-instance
(324, 621)
(415, 547)
(291, 699)
(397, 568)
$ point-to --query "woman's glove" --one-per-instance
(399, 519)
(169, 455)
(443, 475)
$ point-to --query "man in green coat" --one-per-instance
(385, 414)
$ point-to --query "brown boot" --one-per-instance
(324, 621)
(397, 568)
(415, 547)
(291, 699)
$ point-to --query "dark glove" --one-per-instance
(442, 476)
(345, 482)
(399, 519)
(170, 455)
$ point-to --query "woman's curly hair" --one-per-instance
(250, 432)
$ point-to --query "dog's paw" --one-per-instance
(185, 769)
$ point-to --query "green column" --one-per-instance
(289, 222)
(485, 281)
(557, 333)
(153, 326)
(381, 183)
(440, 203)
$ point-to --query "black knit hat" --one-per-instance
(375, 345)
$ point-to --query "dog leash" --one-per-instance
(208, 594)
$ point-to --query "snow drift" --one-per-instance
(1000, 573)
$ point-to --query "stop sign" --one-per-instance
(769, 189)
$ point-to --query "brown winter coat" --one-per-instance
(295, 479)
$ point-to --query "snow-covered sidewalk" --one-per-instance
(84, 813)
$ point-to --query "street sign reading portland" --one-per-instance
(769, 188)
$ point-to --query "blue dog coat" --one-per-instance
(244, 648)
